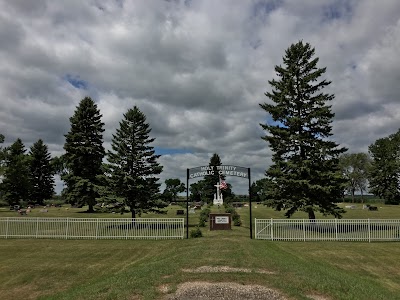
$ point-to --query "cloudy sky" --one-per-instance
(197, 68)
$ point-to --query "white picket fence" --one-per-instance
(327, 230)
(91, 228)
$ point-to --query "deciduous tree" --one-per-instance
(384, 175)
(173, 186)
(305, 170)
(355, 167)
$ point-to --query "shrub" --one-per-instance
(195, 233)
(237, 221)
(203, 218)
(234, 215)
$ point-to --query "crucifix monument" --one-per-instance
(218, 200)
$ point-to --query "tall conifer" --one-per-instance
(84, 154)
(133, 165)
(305, 172)
(16, 184)
(41, 173)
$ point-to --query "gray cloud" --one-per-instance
(197, 69)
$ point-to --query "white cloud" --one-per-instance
(197, 69)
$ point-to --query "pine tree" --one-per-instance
(41, 173)
(384, 175)
(16, 185)
(305, 171)
(133, 164)
(84, 154)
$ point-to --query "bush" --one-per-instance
(237, 221)
(203, 218)
(195, 233)
(234, 215)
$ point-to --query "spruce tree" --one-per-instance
(133, 165)
(305, 171)
(16, 185)
(41, 173)
(384, 174)
(84, 154)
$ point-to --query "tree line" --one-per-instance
(309, 172)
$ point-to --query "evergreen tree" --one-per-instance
(41, 173)
(305, 171)
(384, 175)
(133, 164)
(15, 185)
(84, 154)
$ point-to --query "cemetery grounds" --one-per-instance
(156, 269)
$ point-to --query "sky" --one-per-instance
(198, 70)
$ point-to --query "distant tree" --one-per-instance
(260, 188)
(305, 170)
(384, 175)
(41, 173)
(83, 156)
(173, 186)
(355, 168)
(196, 191)
(16, 184)
(59, 165)
(133, 164)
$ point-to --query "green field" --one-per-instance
(147, 269)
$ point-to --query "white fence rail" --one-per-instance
(327, 230)
(91, 228)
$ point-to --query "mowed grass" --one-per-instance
(143, 269)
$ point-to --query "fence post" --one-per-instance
(336, 228)
(255, 228)
(66, 229)
(8, 220)
(272, 230)
(304, 230)
(369, 231)
(37, 227)
(97, 228)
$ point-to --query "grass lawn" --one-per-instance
(137, 269)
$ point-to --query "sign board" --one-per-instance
(224, 170)
(221, 220)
